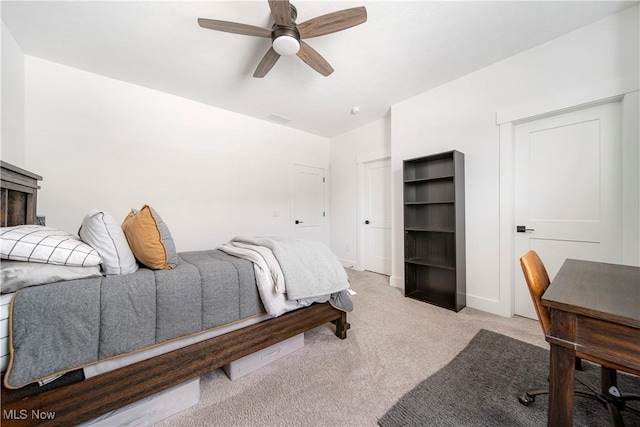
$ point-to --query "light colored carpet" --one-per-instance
(394, 344)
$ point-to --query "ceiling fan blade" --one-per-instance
(268, 61)
(280, 11)
(333, 22)
(234, 27)
(314, 59)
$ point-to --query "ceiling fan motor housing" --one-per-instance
(285, 40)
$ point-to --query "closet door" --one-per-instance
(377, 214)
(308, 203)
(568, 191)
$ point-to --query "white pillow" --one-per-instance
(102, 233)
(18, 275)
(37, 243)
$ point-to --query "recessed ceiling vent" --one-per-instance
(278, 119)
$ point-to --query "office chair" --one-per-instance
(610, 397)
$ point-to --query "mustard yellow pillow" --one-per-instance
(149, 239)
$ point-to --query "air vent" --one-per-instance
(278, 119)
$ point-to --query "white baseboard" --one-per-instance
(346, 263)
(488, 305)
(478, 303)
(396, 282)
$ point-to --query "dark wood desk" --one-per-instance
(595, 312)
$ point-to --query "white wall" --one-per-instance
(12, 138)
(210, 173)
(213, 174)
(349, 151)
(462, 115)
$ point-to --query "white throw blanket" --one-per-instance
(269, 278)
(310, 268)
(271, 262)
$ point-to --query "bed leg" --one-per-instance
(341, 326)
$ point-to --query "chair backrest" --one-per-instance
(537, 281)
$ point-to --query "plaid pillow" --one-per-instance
(37, 243)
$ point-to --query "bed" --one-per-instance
(87, 399)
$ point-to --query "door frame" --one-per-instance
(507, 119)
(360, 229)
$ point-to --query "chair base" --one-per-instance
(529, 396)
(614, 402)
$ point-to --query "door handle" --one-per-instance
(523, 229)
(367, 222)
(298, 222)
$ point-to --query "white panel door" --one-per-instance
(568, 190)
(307, 204)
(377, 212)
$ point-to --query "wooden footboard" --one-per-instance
(76, 403)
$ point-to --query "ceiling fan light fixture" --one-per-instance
(286, 45)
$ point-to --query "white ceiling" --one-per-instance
(404, 48)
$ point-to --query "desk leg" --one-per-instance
(561, 386)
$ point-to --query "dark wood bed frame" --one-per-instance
(82, 401)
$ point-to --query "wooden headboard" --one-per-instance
(19, 196)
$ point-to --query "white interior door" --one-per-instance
(308, 203)
(568, 191)
(377, 213)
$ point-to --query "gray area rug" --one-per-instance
(479, 387)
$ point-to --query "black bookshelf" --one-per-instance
(434, 237)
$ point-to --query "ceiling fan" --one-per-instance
(286, 36)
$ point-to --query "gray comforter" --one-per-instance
(62, 326)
